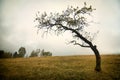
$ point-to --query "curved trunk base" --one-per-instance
(98, 68)
(98, 58)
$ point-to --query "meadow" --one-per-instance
(60, 68)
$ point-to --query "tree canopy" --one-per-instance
(72, 19)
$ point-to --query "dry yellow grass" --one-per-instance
(60, 68)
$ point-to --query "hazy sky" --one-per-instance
(17, 26)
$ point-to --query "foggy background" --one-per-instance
(17, 26)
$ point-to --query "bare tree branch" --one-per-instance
(75, 43)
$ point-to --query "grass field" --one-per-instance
(60, 68)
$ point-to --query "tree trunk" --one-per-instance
(98, 58)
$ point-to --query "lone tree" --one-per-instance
(74, 20)
(22, 51)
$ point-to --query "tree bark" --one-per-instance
(98, 58)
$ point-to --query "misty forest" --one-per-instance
(59, 40)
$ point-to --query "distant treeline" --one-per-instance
(39, 53)
(22, 52)
(5, 54)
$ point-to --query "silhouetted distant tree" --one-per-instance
(47, 54)
(8, 55)
(1, 53)
(38, 53)
(34, 54)
(4, 54)
(74, 20)
(15, 54)
(22, 51)
(44, 53)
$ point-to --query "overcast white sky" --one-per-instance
(17, 26)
